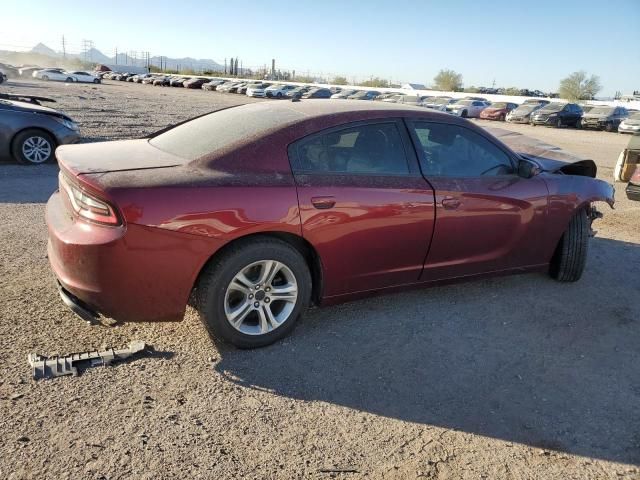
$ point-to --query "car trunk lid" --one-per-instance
(117, 156)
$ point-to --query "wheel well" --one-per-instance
(55, 142)
(305, 249)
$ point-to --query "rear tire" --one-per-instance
(464, 114)
(33, 147)
(570, 257)
(217, 296)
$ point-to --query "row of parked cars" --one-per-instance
(532, 111)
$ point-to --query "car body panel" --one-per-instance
(382, 232)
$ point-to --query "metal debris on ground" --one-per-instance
(58, 366)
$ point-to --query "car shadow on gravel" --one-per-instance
(28, 183)
(524, 359)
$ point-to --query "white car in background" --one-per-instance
(56, 74)
(467, 108)
(84, 77)
(631, 124)
(278, 91)
(257, 89)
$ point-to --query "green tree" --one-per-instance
(448, 80)
(339, 80)
(512, 91)
(471, 89)
(375, 82)
(579, 86)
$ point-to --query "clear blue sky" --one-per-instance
(518, 43)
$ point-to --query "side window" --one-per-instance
(374, 149)
(453, 151)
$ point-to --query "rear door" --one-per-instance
(487, 217)
(364, 205)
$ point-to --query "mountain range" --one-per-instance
(96, 56)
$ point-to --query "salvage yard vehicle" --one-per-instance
(604, 118)
(342, 94)
(212, 84)
(627, 168)
(317, 92)
(278, 90)
(29, 133)
(439, 103)
(467, 108)
(195, 82)
(558, 115)
(522, 114)
(298, 92)
(631, 124)
(498, 111)
(84, 77)
(262, 208)
(55, 74)
(364, 95)
(257, 89)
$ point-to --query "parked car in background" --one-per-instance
(251, 218)
(558, 115)
(9, 71)
(241, 88)
(279, 90)
(522, 114)
(388, 97)
(298, 91)
(123, 77)
(631, 124)
(364, 95)
(467, 108)
(342, 94)
(318, 92)
(257, 89)
(212, 84)
(226, 87)
(439, 103)
(141, 78)
(29, 134)
(604, 118)
(177, 81)
(3, 76)
(54, 74)
(498, 111)
(28, 71)
(84, 77)
(195, 82)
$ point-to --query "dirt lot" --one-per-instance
(517, 377)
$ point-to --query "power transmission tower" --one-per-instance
(87, 50)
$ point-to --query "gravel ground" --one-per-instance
(517, 377)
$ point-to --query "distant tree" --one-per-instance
(512, 91)
(305, 79)
(339, 80)
(471, 89)
(448, 80)
(579, 86)
(375, 82)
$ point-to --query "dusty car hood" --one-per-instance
(548, 157)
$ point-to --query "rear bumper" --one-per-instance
(129, 273)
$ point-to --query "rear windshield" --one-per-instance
(207, 134)
(602, 110)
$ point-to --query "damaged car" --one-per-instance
(254, 212)
(498, 111)
(30, 132)
(522, 114)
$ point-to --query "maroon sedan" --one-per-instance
(498, 111)
(261, 209)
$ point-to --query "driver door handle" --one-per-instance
(450, 203)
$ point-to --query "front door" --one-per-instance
(364, 205)
(487, 217)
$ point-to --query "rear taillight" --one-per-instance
(88, 206)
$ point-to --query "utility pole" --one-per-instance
(225, 66)
(64, 49)
(116, 56)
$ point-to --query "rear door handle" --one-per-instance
(323, 203)
(450, 203)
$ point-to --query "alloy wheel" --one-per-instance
(261, 297)
(36, 149)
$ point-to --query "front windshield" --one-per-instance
(554, 107)
(464, 102)
(499, 105)
(601, 111)
(525, 109)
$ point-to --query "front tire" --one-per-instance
(33, 147)
(559, 123)
(570, 257)
(253, 294)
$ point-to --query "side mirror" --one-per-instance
(527, 169)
